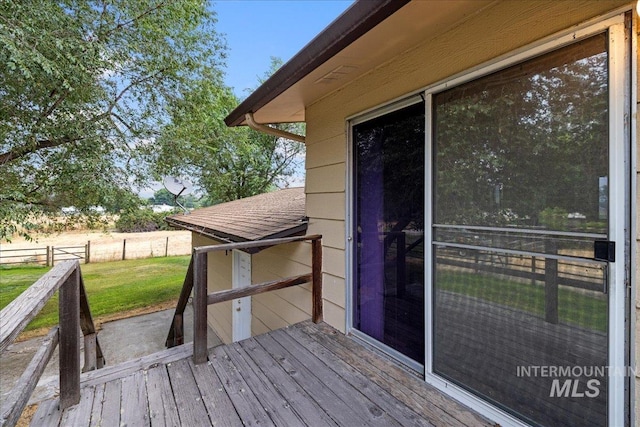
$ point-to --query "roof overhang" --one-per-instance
(367, 35)
(264, 216)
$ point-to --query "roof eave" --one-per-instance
(356, 21)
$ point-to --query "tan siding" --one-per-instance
(326, 179)
(332, 232)
(334, 316)
(326, 206)
(290, 307)
(329, 152)
(324, 135)
(257, 327)
(284, 307)
(333, 289)
(333, 261)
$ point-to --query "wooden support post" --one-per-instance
(166, 248)
(178, 330)
(316, 287)
(124, 249)
(69, 312)
(200, 308)
(53, 255)
(551, 282)
(90, 353)
(48, 262)
(185, 293)
(87, 257)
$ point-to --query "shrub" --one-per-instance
(140, 220)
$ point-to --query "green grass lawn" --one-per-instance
(112, 287)
(573, 306)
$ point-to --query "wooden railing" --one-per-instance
(196, 279)
(74, 313)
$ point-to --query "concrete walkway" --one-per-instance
(121, 340)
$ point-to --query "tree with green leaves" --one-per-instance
(85, 88)
(226, 163)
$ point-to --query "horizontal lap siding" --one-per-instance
(285, 307)
(455, 51)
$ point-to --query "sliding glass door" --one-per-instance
(520, 299)
(388, 295)
(521, 272)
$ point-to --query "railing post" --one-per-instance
(316, 286)
(199, 307)
(69, 312)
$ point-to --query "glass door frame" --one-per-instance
(620, 85)
(350, 222)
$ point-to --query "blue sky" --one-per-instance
(256, 30)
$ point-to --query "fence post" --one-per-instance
(87, 255)
(124, 249)
(551, 282)
(533, 270)
(69, 312)
(166, 247)
(48, 255)
(53, 255)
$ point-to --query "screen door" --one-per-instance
(520, 236)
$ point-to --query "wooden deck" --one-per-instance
(307, 374)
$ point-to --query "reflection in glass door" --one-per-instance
(520, 304)
(388, 292)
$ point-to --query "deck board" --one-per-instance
(162, 405)
(96, 409)
(319, 391)
(304, 405)
(134, 397)
(110, 414)
(191, 408)
(216, 400)
(350, 395)
(276, 406)
(243, 398)
(305, 375)
(387, 402)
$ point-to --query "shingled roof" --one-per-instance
(269, 215)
